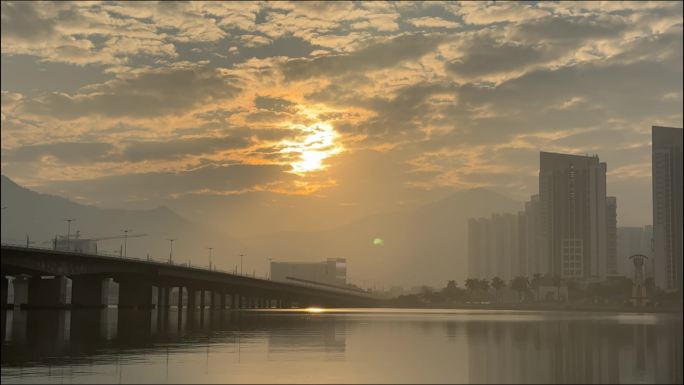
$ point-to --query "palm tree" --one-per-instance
(520, 285)
(535, 283)
(557, 283)
(451, 290)
(471, 284)
(497, 284)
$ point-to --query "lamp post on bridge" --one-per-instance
(125, 231)
(210, 249)
(241, 255)
(171, 249)
(68, 221)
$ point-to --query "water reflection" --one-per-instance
(116, 345)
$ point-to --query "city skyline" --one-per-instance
(570, 229)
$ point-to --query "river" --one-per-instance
(340, 346)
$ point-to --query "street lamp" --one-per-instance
(68, 221)
(171, 250)
(125, 231)
(270, 261)
(241, 255)
(210, 249)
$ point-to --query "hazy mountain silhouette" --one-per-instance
(41, 216)
(426, 244)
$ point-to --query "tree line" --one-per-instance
(613, 291)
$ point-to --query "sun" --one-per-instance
(318, 143)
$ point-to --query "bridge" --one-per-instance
(146, 284)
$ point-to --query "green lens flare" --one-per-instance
(378, 242)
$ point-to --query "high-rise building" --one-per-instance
(611, 237)
(520, 264)
(477, 248)
(493, 249)
(535, 264)
(572, 196)
(666, 161)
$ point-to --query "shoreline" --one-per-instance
(547, 307)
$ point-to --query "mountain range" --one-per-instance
(425, 244)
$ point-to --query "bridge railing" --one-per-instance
(188, 264)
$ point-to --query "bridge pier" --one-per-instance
(192, 299)
(135, 293)
(87, 291)
(5, 286)
(203, 295)
(180, 308)
(167, 297)
(21, 289)
(48, 292)
(179, 302)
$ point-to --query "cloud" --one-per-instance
(20, 20)
(67, 152)
(149, 93)
(432, 22)
(480, 12)
(274, 104)
(153, 186)
(486, 56)
(180, 148)
(573, 28)
(373, 57)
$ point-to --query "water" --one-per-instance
(340, 346)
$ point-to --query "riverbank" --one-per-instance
(545, 307)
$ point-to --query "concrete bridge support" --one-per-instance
(87, 291)
(192, 299)
(179, 322)
(203, 297)
(3, 293)
(135, 293)
(21, 289)
(48, 292)
(180, 300)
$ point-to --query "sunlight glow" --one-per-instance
(318, 143)
(315, 310)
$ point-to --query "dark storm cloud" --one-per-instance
(165, 91)
(372, 57)
(68, 152)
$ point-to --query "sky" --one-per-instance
(363, 106)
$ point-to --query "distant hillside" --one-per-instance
(422, 245)
(42, 217)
